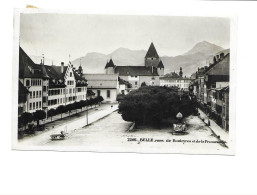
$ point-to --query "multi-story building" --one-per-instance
(210, 86)
(175, 80)
(22, 99)
(136, 75)
(30, 75)
(50, 86)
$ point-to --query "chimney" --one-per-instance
(221, 56)
(62, 67)
(218, 58)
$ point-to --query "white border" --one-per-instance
(232, 95)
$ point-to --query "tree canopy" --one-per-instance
(39, 115)
(151, 104)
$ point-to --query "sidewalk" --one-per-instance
(69, 123)
(224, 135)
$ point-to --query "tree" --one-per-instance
(120, 97)
(77, 105)
(39, 115)
(70, 107)
(100, 99)
(151, 104)
(90, 102)
(143, 84)
(26, 118)
(52, 112)
(61, 109)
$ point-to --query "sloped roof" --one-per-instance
(160, 65)
(102, 81)
(152, 53)
(58, 70)
(27, 68)
(109, 64)
(90, 92)
(171, 75)
(136, 71)
(220, 68)
(174, 75)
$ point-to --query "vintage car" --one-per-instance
(60, 136)
(179, 127)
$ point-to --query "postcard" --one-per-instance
(123, 83)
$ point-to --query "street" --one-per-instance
(68, 124)
(110, 134)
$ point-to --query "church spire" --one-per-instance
(152, 53)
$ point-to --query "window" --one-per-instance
(135, 82)
(30, 94)
(98, 93)
(36, 104)
(108, 93)
(70, 74)
(30, 106)
(27, 83)
(39, 104)
(33, 94)
(37, 94)
(44, 88)
(33, 105)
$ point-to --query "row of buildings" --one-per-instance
(42, 87)
(210, 85)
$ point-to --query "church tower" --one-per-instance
(152, 58)
(109, 67)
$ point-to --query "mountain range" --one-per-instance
(200, 55)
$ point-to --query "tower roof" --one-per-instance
(109, 64)
(160, 65)
(152, 53)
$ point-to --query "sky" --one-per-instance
(59, 35)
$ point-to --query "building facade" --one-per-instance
(137, 75)
(176, 80)
(105, 85)
(50, 86)
(211, 88)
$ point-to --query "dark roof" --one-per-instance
(123, 82)
(58, 70)
(219, 68)
(27, 68)
(152, 53)
(90, 92)
(22, 93)
(171, 75)
(136, 71)
(109, 64)
(174, 75)
(160, 65)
